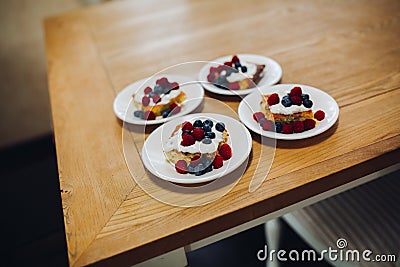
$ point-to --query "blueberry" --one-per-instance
(307, 103)
(210, 135)
(158, 89)
(166, 113)
(220, 126)
(167, 90)
(244, 69)
(206, 128)
(186, 131)
(199, 169)
(198, 124)
(206, 141)
(208, 122)
(286, 101)
(190, 169)
(208, 169)
(138, 114)
(305, 96)
(237, 65)
(151, 94)
(278, 127)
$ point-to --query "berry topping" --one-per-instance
(296, 91)
(138, 114)
(156, 98)
(174, 86)
(225, 151)
(207, 128)
(267, 125)
(147, 90)
(181, 166)
(286, 101)
(278, 127)
(298, 126)
(198, 124)
(234, 86)
(210, 135)
(319, 115)
(208, 122)
(296, 100)
(149, 115)
(228, 63)
(187, 140)
(307, 103)
(176, 109)
(273, 99)
(198, 134)
(244, 69)
(187, 126)
(206, 141)
(235, 59)
(287, 129)
(163, 82)
(173, 106)
(257, 116)
(145, 101)
(305, 96)
(309, 124)
(218, 162)
(165, 113)
(238, 65)
(220, 126)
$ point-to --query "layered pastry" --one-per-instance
(163, 99)
(236, 74)
(198, 147)
(288, 112)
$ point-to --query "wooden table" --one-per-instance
(350, 49)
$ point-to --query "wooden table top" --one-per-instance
(350, 49)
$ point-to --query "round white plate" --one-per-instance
(272, 73)
(123, 103)
(321, 100)
(155, 161)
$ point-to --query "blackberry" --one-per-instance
(307, 103)
(220, 126)
(278, 127)
(138, 114)
(198, 124)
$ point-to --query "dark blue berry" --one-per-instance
(261, 121)
(198, 124)
(244, 69)
(305, 96)
(151, 94)
(199, 169)
(278, 127)
(190, 169)
(220, 126)
(207, 141)
(206, 128)
(138, 114)
(237, 65)
(286, 101)
(210, 135)
(307, 103)
(208, 122)
(208, 168)
(187, 131)
(166, 113)
(158, 89)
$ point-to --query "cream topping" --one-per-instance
(281, 109)
(251, 70)
(165, 98)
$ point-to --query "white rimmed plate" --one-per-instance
(155, 161)
(321, 100)
(123, 103)
(272, 73)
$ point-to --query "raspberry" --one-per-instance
(234, 86)
(163, 82)
(145, 101)
(181, 166)
(235, 59)
(187, 126)
(258, 116)
(149, 115)
(309, 124)
(296, 91)
(273, 99)
(287, 129)
(176, 110)
(218, 162)
(210, 78)
(319, 115)
(173, 106)
(268, 125)
(298, 126)
(148, 90)
(194, 161)
(174, 86)
(225, 151)
(187, 140)
(198, 134)
(156, 98)
(296, 100)
(228, 63)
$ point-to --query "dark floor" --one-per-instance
(34, 234)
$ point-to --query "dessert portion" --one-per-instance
(288, 112)
(197, 147)
(236, 74)
(163, 99)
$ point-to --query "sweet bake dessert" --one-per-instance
(161, 100)
(198, 147)
(288, 112)
(236, 74)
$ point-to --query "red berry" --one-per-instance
(181, 166)
(218, 162)
(187, 140)
(194, 161)
(173, 106)
(319, 115)
(258, 116)
(234, 86)
(145, 101)
(309, 124)
(198, 134)
(156, 98)
(225, 151)
(296, 91)
(174, 86)
(228, 63)
(268, 125)
(148, 90)
(176, 109)
(296, 100)
(273, 99)
(163, 82)
(298, 126)
(287, 129)
(210, 78)
(149, 115)
(187, 126)
(235, 59)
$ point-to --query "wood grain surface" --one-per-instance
(350, 49)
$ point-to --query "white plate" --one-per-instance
(321, 100)
(124, 108)
(154, 159)
(272, 73)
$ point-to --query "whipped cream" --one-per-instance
(281, 109)
(174, 142)
(251, 70)
(165, 98)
